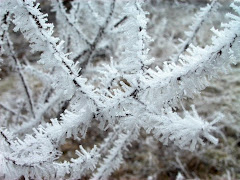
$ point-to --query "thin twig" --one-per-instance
(120, 22)
(21, 75)
(11, 111)
(5, 137)
(64, 13)
(97, 39)
(189, 40)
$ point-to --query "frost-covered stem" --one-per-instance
(12, 168)
(178, 81)
(12, 111)
(39, 33)
(46, 140)
(63, 107)
(43, 33)
(86, 161)
(72, 24)
(199, 20)
(42, 30)
(11, 53)
(26, 88)
(182, 166)
(120, 21)
(34, 165)
(25, 127)
(97, 39)
(185, 132)
(57, 131)
(114, 159)
(45, 78)
(109, 140)
(21, 75)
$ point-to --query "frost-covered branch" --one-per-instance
(34, 166)
(101, 31)
(184, 132)
(27, 91)
(28, 155)
(59, 8)
(195, 70)
(114, 158)
(125, 95)
(39, 34)
(198, 21)
(42, 109)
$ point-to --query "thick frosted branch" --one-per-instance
(32, 23)
(13, 167)
(39, 150)
(136, 101)
(175, 82)
(184, 132)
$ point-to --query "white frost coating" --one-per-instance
(126, 93)
(185, 132)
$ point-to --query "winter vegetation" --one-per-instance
(107, 74)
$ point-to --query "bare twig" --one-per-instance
(120, 22)
(5, 137)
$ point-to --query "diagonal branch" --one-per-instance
(88, 53)
(199, 20)
(11, 52)
(12, 111)
(72, 24)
